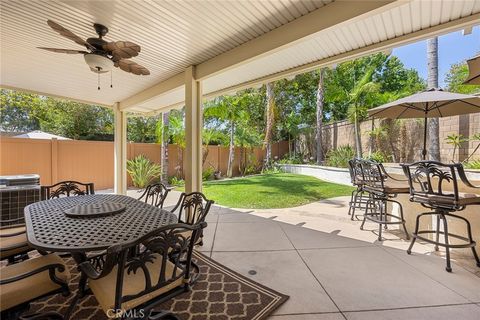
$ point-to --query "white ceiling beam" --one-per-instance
(385, 46)
(54, 96)
(331, 15)
(160, 88)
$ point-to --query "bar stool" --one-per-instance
(359, 197)
(382, 188)
(435, 186)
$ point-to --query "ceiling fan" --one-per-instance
(101, 56)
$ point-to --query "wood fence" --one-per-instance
(93, 161)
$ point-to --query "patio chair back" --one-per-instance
(155, 194)
(373, 175)
(435, 184)
(66, 189)
(192, 207)
(142, 273)
(355, 169)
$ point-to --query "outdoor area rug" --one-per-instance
(218, 294)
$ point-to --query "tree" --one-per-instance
(319, 115)
(455, 77)
(270, 121)
(173, 130)
(162, 135)
(237, 119)
(142, 129)
(16, 111)
(432, 82)
(456, 141)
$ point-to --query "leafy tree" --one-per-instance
(173, 131)
(234, 116)
(16, 111)
(455, 77)
(142, 129)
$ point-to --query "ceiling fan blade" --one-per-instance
(68, 51)
(68, 34)
(122, 49)
(133, 67)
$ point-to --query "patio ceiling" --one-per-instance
(173, 35)
(233, 44)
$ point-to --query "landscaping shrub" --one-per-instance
(207, 174)
(174, 181)
(291, 160)
(339, 157)
(473, 164)
(143, 171)
(378, 156)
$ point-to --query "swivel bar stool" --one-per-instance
(359, 197)
(382, 188)
(435, 186)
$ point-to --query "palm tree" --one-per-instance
(172, 127)
(361, 98)
(432, 82)
(270, 121)
(163, 138)
(319, 115)
(456, 140)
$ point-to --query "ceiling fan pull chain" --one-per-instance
(111, 79)
(98, 81)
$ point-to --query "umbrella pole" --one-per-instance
(424, 151)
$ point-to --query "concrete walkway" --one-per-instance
(331, 270)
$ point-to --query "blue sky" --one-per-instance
(452, 48)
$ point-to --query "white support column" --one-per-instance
(120, 184)
(193, 132)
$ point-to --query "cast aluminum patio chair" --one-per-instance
(192, 208)
(27, 281)
(435, 186)
(359, 197)
(128, 282)
(13, 243)
(66, 189)
(382, 188)
(155, 194)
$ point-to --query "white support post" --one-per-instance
(120, 184)
(193, 132)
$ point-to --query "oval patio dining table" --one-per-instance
(51, 228)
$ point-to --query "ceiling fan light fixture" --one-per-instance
(98, 63)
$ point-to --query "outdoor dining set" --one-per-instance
(433, 185)
(131, 254)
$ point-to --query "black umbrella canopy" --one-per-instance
(433, 103)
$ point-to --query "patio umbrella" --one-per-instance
(473, 71)
(432, 103)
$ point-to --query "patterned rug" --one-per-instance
(219, 294)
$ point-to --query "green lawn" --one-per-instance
(280, 190)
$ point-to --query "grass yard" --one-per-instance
(279, 190)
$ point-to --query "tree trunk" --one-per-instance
(432, 82)
(231, 151)
(319, 122)
(270, 114)
(358, 139)
(164, 147)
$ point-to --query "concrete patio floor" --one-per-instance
(332, 270)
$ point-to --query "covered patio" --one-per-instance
(200, 50)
